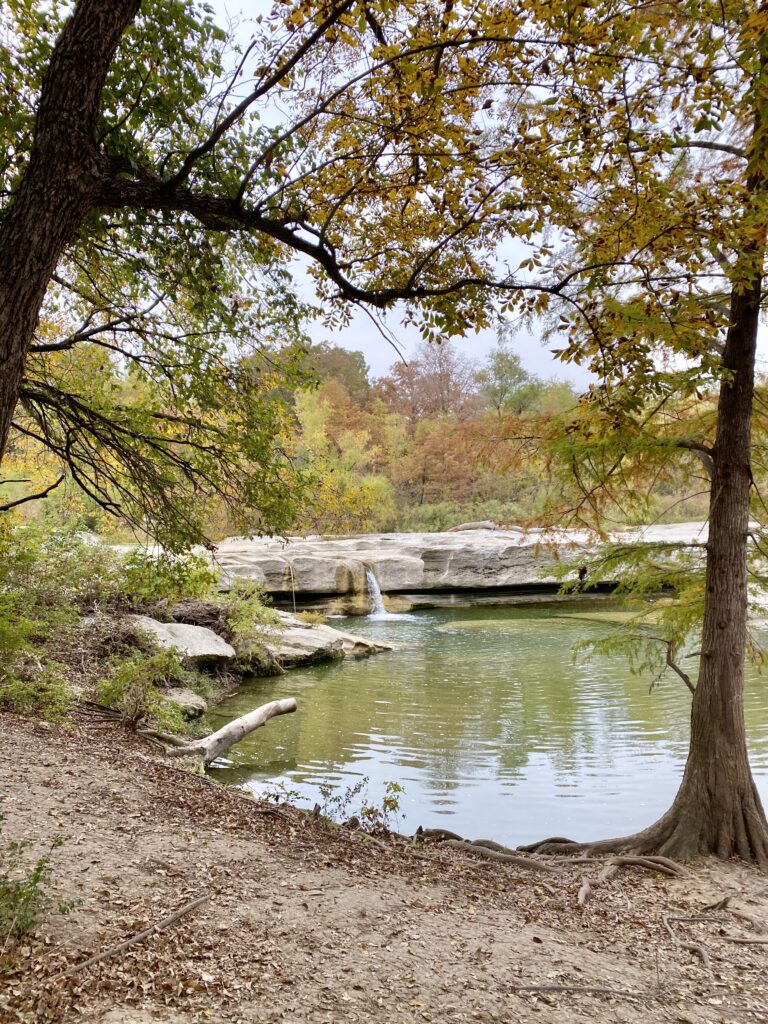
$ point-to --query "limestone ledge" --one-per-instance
(471, 559)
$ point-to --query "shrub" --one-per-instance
(48, 582)
(44, 693)
(248, 612)
(132, 688)
(146, 577)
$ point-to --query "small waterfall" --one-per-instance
(374, 593)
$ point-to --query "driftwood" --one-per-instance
(213, 746)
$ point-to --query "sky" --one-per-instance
(363, 336)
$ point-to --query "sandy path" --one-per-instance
(307, 924)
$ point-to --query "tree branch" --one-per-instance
(261, 90)
(30, 497)
(669, 644)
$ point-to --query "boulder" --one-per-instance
(300, 643)
(197, 645)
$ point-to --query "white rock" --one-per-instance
(302, 643)
(196, 644)
(191, 703)
(468, 560)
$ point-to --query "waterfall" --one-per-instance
(374, 593)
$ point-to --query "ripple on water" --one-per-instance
(488, 723)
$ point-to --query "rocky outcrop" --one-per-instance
(290, 645)
(198, 646)
(476, 559)
(301, 643)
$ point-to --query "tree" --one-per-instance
(625, 146)
(439, 381)
(504, 382)
(330, 362)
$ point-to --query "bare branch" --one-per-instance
(30, 497)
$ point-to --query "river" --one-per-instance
(488, 723)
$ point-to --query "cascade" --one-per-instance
(374, 593)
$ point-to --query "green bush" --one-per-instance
(248, 613)
(133, 688)
(45, 693)
(50, 580)
(146, 577)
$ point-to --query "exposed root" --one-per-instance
(554, 840)
(495, 851)
(690, 829)
(662, 864)
(694, 947)
(585, 891)
(435, 833)
(481, 850)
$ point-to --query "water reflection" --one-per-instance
(485, 719)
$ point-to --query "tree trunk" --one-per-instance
(211, 747)
(60, 185)
(717, 809)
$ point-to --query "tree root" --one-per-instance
(696, 825)
(495, 851)
(481, 849)
(694, 947)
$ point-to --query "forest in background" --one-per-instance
(440, 440)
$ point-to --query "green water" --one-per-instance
(485, 719)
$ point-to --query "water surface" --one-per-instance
(489, 724)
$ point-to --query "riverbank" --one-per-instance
(306, 923)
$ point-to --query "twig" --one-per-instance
(114, 950)
(586, 989)
(693, 947)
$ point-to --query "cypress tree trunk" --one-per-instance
(717, 809)
(60, 185)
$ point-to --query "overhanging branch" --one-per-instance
(31, 497)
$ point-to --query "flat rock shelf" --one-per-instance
(485, 561)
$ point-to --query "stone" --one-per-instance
(191, 703)
(300, 643)
(197, 645)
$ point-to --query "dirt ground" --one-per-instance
(306, 923)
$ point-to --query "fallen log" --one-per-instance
(210, 747)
